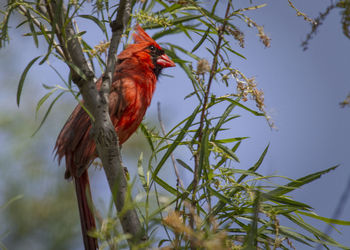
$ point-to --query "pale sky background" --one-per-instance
(302, 94)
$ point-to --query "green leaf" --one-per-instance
(184, 51)
(297, 236)
(204, 153)
(97, 22)
(220, 196)
(220, 205)
(165, 185)
(182, 163)
(43, 99)
(77, 70)
(256, 165)
(325, 219)
(148, 135)
(250, 241)
(242, 106)
(228, 151)
(243, 171)
(176, 142)
(47, 112)
(173, 21)
(8, 203)
(50, 40)
(300, 182)
(23, 77)
(314, 231)
(173, 30)
(141, 173)
(229, 140)
(204, 37)
(234, 52)
(32, 29)
(235, 147)
(214, 7)
(284, 200)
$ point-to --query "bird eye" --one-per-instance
(152, 48)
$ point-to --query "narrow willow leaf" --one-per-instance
(176, 142)
(234, 52)
(38, 33)
(165, 185)
(50, 39)
(314, 231)
(204, 153)
(42, 100)
(235, 147)
(21, 23)
(214, 7)
(48, 112)
(141, 173)
(173, 22)
(182, 163)
(23, 77)
(77, 70)
(220, 196)
(151, 5)
(325, 219)
(171, 9)
(229, 140)
(48, 87)
(32, 29)
(228, 151)
(185, 19)
(17, 197)
(166, 32)
(148, 136)
(185, 31)
(244, 107)
(220, 205)
(283, 200)
(184, 51)
(46, 34)
(250, 241)
(169, 145)
(295, 236)
(242, 171)
(300, 182)
(174, 57)
(97, 22)
(204, 37)
(256, 165)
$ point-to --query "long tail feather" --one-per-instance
(87, 220)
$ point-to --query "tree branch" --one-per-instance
(96, 102)
(201, 122)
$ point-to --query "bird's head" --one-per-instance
(145, 46)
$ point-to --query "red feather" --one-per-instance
(132, 88)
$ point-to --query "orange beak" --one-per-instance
(165, 61)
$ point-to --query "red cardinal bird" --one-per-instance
(133, 84)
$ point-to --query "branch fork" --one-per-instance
(103, 131)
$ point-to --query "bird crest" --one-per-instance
(140, 36)
(141, 39)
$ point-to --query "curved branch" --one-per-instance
(96, 102)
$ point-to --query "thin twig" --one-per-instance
(314, 27)
(201, 123)
(178, 179)
(39, 25)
